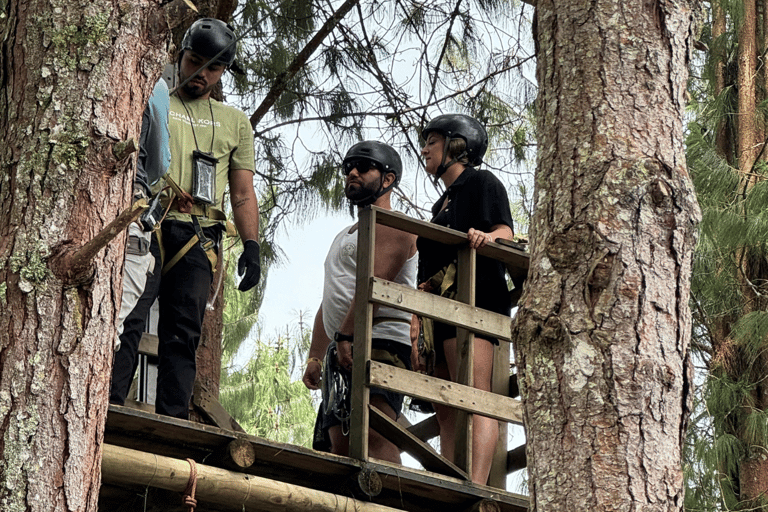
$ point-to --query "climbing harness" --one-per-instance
(195, 210)
(335, 388)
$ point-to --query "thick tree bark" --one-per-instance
(74, 78)
(602, 333)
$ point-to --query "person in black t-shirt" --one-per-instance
(474, 202)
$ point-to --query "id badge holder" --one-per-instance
(204, 177)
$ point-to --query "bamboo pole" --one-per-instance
(237, 491)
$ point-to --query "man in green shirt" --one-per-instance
(211, 147)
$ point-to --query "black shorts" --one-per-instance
(445, 332)
(402, 354)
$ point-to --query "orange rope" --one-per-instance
(189, 493)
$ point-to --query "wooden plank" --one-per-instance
(426, 429)
(212, 409)
(515, 259)
(148, 344)
(360, 393)
(142, 406)
(500, 385)
(442, 391)
(465, 358)
(406, 441)
(477, 320)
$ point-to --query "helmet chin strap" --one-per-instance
(373, 196)
(445, 166)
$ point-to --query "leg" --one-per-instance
(339, 441)
(133, 326)
(446, 416)
(379, 446)
(484, 430)
(183, 294)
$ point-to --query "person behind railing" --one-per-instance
(372, 169)
(474, 202)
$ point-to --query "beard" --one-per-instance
(195, 89)
(357, 192)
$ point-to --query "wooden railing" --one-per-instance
(461, 313)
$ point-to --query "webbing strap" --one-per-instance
(184, 250)
(381, 319)
(206, 243)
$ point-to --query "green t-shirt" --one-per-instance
(204, 120)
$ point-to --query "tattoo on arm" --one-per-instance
(239, 203)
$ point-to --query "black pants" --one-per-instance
(183, 293)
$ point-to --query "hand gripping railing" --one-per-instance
(460, 312)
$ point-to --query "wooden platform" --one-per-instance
(402, 488)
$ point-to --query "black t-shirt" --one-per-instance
(477, 199)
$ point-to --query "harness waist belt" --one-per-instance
(198, 210)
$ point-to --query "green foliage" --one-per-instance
(380, 74)
(260, 389)
(263, 397)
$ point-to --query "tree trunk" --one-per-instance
(747, 86)
(602, 333)
(75, 77)
(722, 139)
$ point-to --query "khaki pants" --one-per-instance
(138, 263)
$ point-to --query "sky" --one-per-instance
(296, 286)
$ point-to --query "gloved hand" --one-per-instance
(249, 262)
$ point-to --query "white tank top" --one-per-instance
(339, 288)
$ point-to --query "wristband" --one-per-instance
(314, 360)
(343, 337)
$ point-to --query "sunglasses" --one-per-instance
(362, 165)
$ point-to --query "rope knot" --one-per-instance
(188, 500)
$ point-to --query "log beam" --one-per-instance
(123, 466)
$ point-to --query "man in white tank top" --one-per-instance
(372, 169)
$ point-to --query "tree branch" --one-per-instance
(299, 61)
(73, 266)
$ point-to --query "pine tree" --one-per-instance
(602, 331)
(726, 155)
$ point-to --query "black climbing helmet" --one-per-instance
(459, 126)
(207, 37)
(382, 156)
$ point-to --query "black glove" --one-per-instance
(249, 262)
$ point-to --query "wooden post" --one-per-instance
(238, 455)
(360, 394)
(465, 354)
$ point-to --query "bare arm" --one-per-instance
(319, 345)
(393, 248)
(245, 206)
